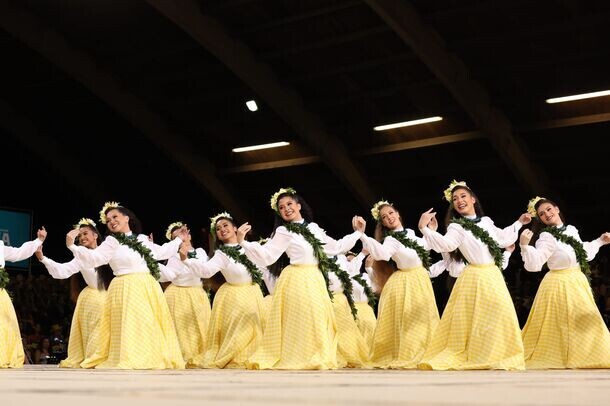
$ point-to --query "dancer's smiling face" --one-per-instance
(289, 208)
(463, 201)
(117, 222)
(226, 231)
(390, 218)
(549, 214)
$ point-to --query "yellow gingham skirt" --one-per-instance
(366, 323)
(407, 319)
(300, 332)
(267, 300)
(11, 347)
(85, 320)
(352, 351)
(564, 328)
(235, 328)
(136, 330)
(479, 327)
(190, 309)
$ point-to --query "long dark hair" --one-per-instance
(216, 281)
(452, 213)
(383, 269)
(537, 225)
(104, 272)
(135, 225)
(306, 213)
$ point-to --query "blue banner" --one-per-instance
(15, 229)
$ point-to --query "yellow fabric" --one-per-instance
(366, 323)
(11, 347)
(190, 309)
(479, 327)
(267, 300)
(235, 327)
(352, 351)
(85, 320)
(564, 328)
(407, 319)
(301, 329)
(136, 330)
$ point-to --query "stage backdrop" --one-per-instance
(15, 229)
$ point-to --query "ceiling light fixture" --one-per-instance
(261, 146)
(578, 97)
(251, 104)
(408, 123)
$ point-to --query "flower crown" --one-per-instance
(376, 206)
(107, 205)
(277, 194)
(214, 219)
(84, 222)
(168, 232)
(452, 185)
(531, 205)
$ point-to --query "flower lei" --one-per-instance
(447, 193)
(423, 255)
(579, 250)
(531, 206)
(84, 222)
(273, 200)
(326, 263)
(376, 206)
(367, 290)
(145, 252)
(4, 278)
(107, 205)
(168, 231)
(484, 237)
(241, 258)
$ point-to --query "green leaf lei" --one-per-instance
(133, 243)
(325, 263)
(579, 250)
(3, 278)
(191, 254)
(367, 289)
(241, 258)
(481, 234)
(423, 255)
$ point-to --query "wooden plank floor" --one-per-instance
(49, 385)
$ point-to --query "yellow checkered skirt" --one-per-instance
(235, 329)
(301, 329)
(85, 320)
(190, 309)
(352, 351)
(11, 347)
(267, 300)
(366, 323)
(479, 327)
(136, 330)
(406, 321)
(564, 328)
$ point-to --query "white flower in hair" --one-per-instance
(168, 232)
(531, 205)
(453, 184)
(376, 206)
(107, 205)
(214, 219)
(84, 222)
(277, 194)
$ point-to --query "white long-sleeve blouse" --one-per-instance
(234, 273)
(556, 254)
(182, 275)
(65, 270)
(358, 293)
(351, 267)
(473, 249)
(296, 247)
(122, 259)
(15, 254)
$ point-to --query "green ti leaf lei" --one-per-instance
(133, 243)
(579, 250)
(241, 258)
(191, 254)
(484, 237)
(367, 289)
(325, 263)
(423, 255)
(3, 278)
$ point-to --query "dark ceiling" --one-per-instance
(143, 101)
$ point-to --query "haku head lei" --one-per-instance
(276, 195)
(376, 206)
(84, 222)
(171, 227)
(531, 205)
(214, 220)
(448, 193)
(107, 205)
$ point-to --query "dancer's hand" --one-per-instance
(526, 237)
(426, 218)
(433, 225)
(359, 224)
(71, 237)
(242, 231)
(525, 218)
(39, 253)
(184, 251)
(510, 248)
(42, 233)
(605, 238)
